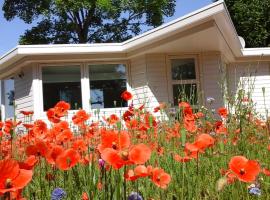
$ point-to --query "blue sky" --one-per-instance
(11, 31)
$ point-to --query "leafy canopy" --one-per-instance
(86, 21)
(252, 20)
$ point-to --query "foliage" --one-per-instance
(252, 20)
(72, 21)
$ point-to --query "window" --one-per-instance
(61, 83)
(107, 82)
(184, 82)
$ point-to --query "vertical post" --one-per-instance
(2, 99)
(85, 87)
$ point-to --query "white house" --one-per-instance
(199, 53)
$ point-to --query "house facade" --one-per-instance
(193, 57)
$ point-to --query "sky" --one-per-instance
(10, 31)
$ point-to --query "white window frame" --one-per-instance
(123, 62)
(172, 82)
(40, 84)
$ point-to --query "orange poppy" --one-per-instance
(223, 112)
(85, 196)
(160, 178)
(52, 116)
(26, 113)
(29, 163)
(80, 117)
(67, 159)
(61, 108)
(204, 141)
(245, 170)
(54, 152)
(126, 96)
(12, 178)
(38, 149)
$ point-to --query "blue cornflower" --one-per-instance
(135, 196)
(58, 194)
(255, 191)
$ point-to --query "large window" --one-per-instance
(61, 83)
(184, 82)
(107, 82)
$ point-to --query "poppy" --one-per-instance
(12, 178)
(80, 117)
(139, 154)
(61, 108)
(183, 104)
(223, 112)
(160, 178)
(67, 159)
(38, 149)
(26, 113)
(204, 141)
(126, 96)
(29, 163)
(52, 116)
(85, 196)
(114, 139)
(53, 153)
(245, 170)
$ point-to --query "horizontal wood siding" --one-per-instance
(138, 80)
(211, 80)
(157, 79)
(24, 92)
(251, 77)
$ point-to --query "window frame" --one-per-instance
(172, 82)
(128, 86)
(71, 64)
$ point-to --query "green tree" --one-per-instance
(252, 20)
(86, 21)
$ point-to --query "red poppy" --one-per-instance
(38, 149)
(138, 154)
(85, 196)
(54, 152)
(26, 113)
(126, 96)
(113, 139)
(223, 112)
(183, 104)
(12, 178)
(204, 141)
(160, 178)
(67, 159)
(245, 170)
(29, 163)
(52, 116)
(61, 108)
(80, 117)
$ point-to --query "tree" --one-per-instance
(252, 20)
(86, 21)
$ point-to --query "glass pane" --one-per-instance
(185, 92)
(107, 82)
(62, 83)
(183, 69)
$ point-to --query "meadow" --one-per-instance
(190, 153)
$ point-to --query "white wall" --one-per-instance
(24, 91)
(251, 77)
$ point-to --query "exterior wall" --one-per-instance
(212, 78)
(24, 91)
(252, 77)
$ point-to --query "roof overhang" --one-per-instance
(207, 29)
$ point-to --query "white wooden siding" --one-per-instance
(24, 92)
(157, 79)
(211, 79)
(251, 77)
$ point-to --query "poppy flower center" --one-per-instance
(124, 155)
(114, 146)
(8, 183)
(242, 171)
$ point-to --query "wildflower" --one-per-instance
(80, 117)
(135, 196)
(255, 191)
(85, 196)
(245, 170)
(160, 178)
(210, 100)
(126, 96)
(101, 163)
(58, 194)
(12, 177)
(223, 112)
(67, 159)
